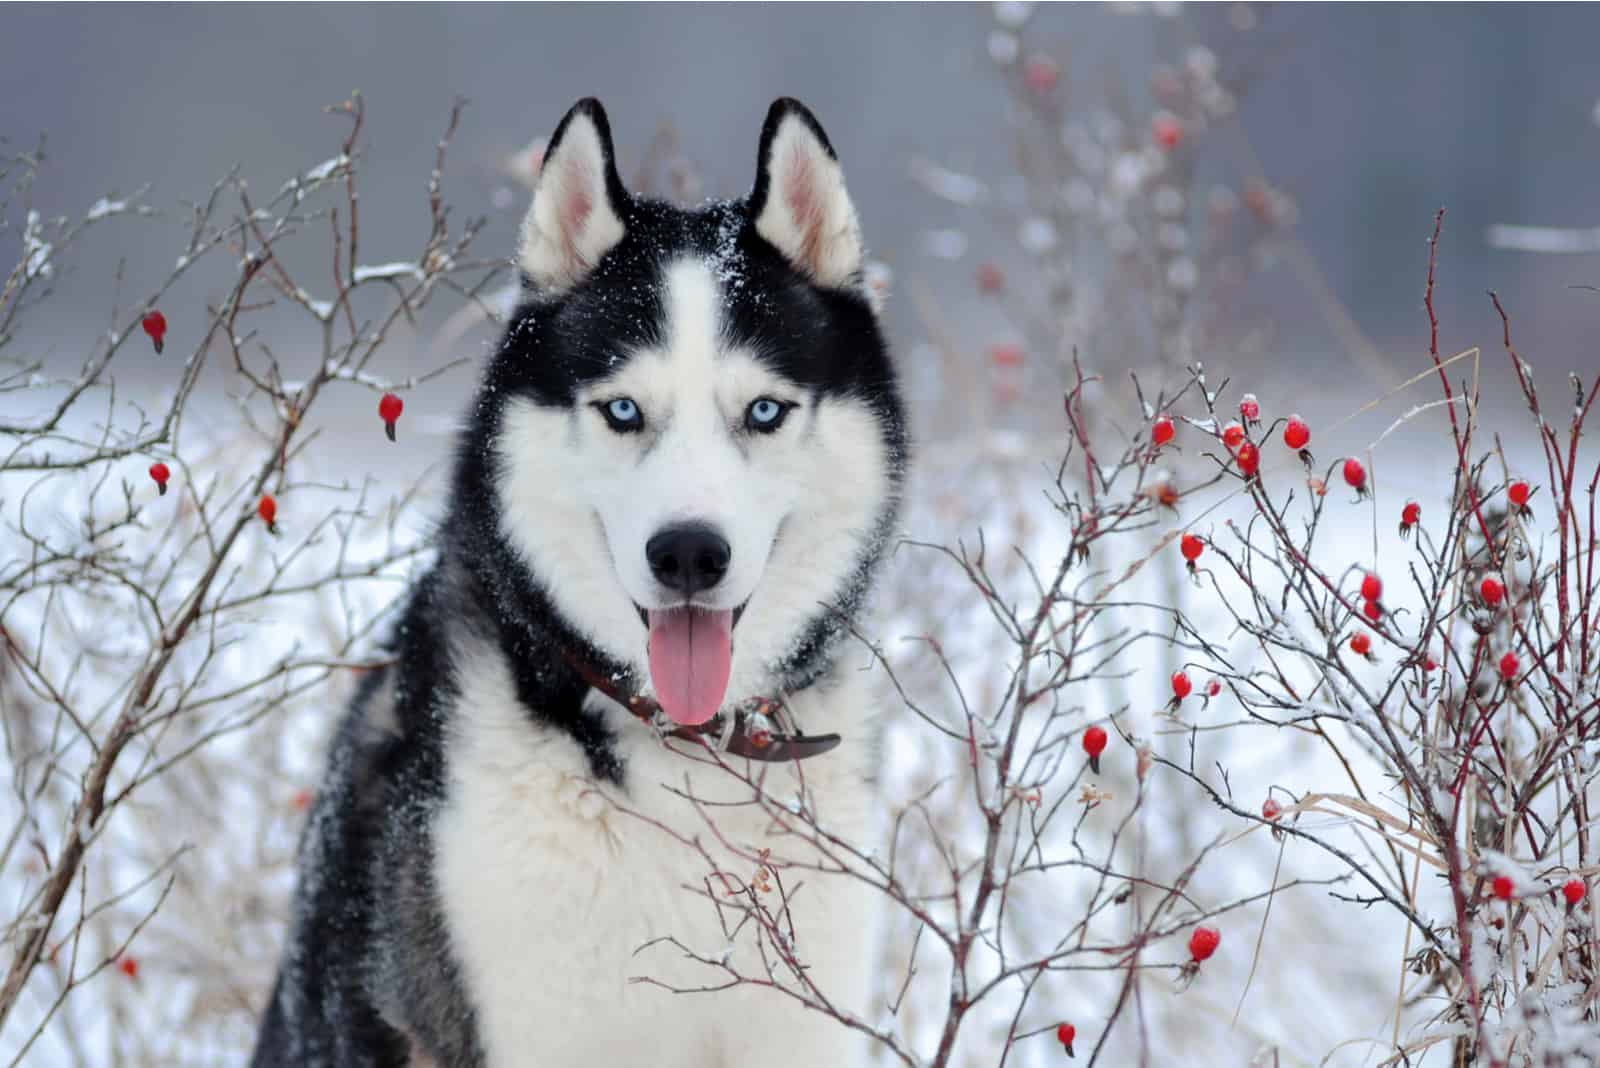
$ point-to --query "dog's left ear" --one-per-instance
(578, 203)
(799, 202)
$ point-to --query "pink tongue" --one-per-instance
(691, 653)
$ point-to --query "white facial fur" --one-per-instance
(580, 500)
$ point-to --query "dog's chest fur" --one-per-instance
(554, 884)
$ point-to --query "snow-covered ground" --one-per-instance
(223, 822)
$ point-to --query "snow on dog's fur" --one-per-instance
(680, 470)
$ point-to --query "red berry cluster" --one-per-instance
(1371, 594)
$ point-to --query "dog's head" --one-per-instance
(695, 439)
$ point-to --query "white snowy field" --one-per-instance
(1306, 980)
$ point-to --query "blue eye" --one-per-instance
(622, 414)
(765, 414)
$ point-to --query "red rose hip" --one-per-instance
(1509, 666)
(1355, 476)
(155, 325)
(1162, 430)
(1203, 942)
(1250, 410)
(1408, 517)
(1094, 743)
(267, 509)
(1248, 458)
(389, 409)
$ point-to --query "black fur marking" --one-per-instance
(318, 1014)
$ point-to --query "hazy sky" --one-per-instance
(1372, 116)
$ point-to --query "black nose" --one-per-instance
(688, 557)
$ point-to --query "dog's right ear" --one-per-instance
(578, 204)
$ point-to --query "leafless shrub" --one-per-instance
(154, 638)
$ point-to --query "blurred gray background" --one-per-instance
(1370, 116)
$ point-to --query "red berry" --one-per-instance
(1354, 474)
(1191, 547)
(1573, 891)
(155, 325)
(1213, 688)
(1491, 591)
(1167, 130)
(1371, 587)
(991, 279)
(1296, 434)
(301, 800)
(159, 472)
(1372, 610)
(267, 509)
(1250, 409)
(1360, 644)
(1232, 435)
(1518, 492)
(1203, 942)
(1162, 430)
(1249, 459)
(1065, 1033)
(1509, 666)
(1408, 517)
(1270, 809)
(1040, 73)
(1005, 354)
(389, 409)
(128, 966)
(1503, 887)
(1429, 664)
(1181, 686)
(1094, 743)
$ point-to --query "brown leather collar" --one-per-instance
(750, 731)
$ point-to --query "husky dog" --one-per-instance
(668, 499)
